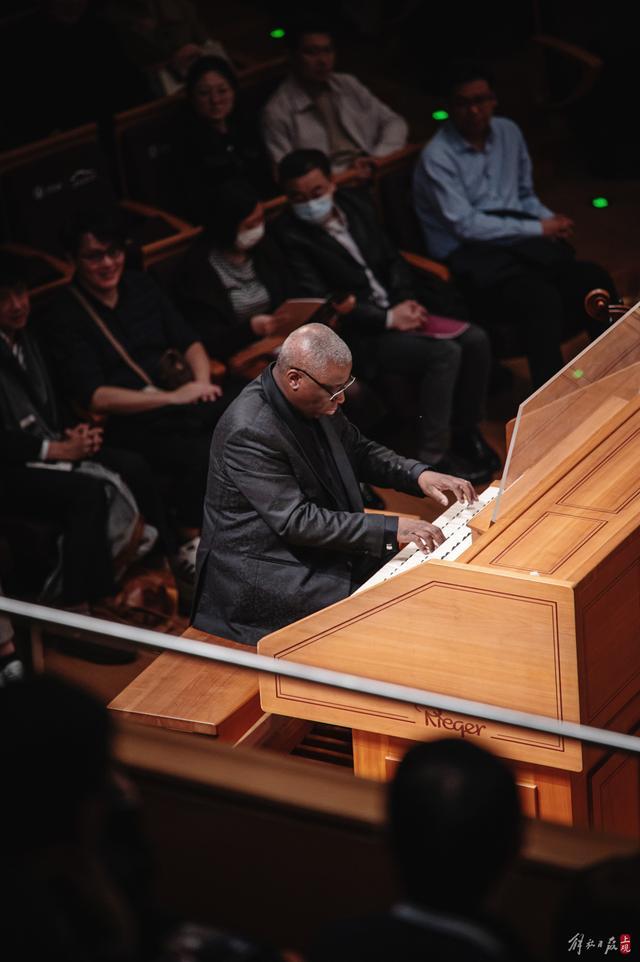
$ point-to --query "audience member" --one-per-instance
(315, 107)
(77, 871)
(475, 199)
(99, 518)
(117, 342)
(214, 141)
(235, 276)
(454, 823)
(602, 902)
(59, 901)
(334, 243)
(163, 36)
(68, 68)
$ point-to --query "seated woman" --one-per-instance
(214, 141)
(235, 276)
(116, 338)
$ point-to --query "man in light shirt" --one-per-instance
(479, 212)
(334, 243)
(333, 112)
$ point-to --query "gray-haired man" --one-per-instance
(284, 531)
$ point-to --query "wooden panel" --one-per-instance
(190, 694)
(370, 756)
(615, 794)
(610, 638)
(503, 639)
(543, 793)
(612, 482)
(529, 797)
(556, 538)
(562, 529)
(315, 837)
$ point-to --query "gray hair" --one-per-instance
(315, 346)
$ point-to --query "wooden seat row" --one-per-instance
(278, 848)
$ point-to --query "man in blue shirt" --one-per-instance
(474, 197)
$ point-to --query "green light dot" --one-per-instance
(277, 34)
(440, 115)
(578, 373)
(599, 202)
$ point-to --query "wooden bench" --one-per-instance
(188, 694)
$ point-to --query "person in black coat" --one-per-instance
(284, 531)
(214, 140)
(235, 276)
(334, 242)
(455, 827)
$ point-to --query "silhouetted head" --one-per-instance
(54, 759)
(454, 822)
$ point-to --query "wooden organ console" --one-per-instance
(541, 612)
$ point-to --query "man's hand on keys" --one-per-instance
(426, 536)
(432, 484)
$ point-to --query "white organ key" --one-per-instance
(458, 537)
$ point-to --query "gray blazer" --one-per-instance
(278, 542)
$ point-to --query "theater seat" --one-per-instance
(42, 183)
(144, 137)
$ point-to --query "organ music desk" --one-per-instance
(541, 613)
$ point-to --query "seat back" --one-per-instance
(145, 137)
(392, 195)
(144, 142)
(43, 183)
(166, 258)
(258, 81)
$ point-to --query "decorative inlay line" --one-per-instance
(328, 632)
(564, 500)
(596, 526)
(339, 707)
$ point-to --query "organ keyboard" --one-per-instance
(454, 524)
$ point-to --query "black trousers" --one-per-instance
(78, 504)
(452, 376)
(545, 304)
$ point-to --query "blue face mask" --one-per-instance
(314, 211)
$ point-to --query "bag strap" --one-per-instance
(113, 340)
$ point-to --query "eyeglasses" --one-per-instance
(330, 389)
(94, 257)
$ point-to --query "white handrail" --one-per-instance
(322, 676)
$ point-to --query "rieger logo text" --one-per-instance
(435, 718)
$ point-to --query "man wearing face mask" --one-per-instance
(334, 242)
(234, 277)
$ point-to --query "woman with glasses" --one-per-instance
(122, 351)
